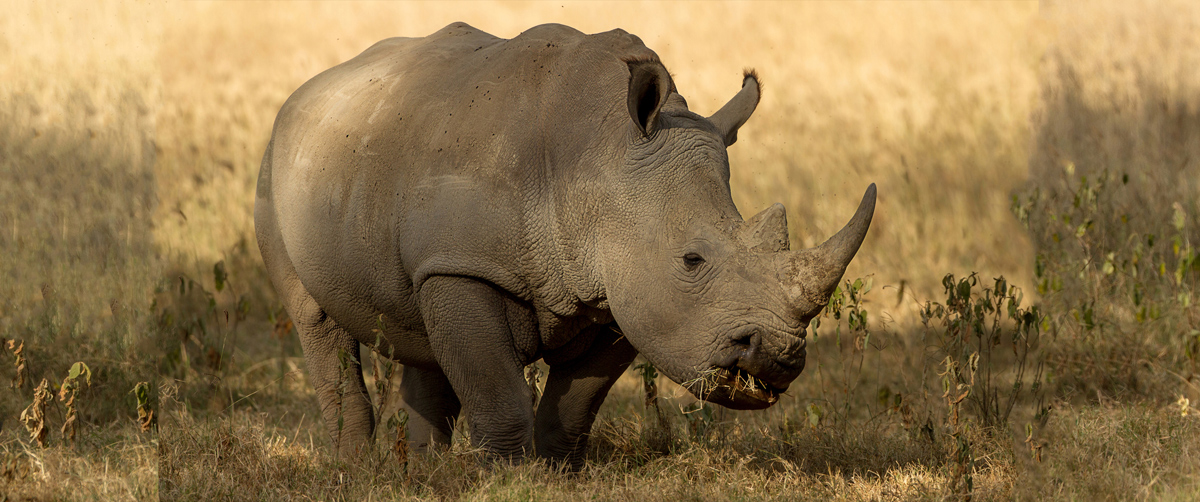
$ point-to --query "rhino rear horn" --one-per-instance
(767, 230)
(649, 86)
(738, 110)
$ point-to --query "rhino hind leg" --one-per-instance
(574, 392)
(332, 356)
(431, 405)
(474, 331)
(334, 368)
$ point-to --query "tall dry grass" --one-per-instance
(130, 137)
(78, 261)
(1120, 94)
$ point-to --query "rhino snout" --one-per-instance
(776, 368)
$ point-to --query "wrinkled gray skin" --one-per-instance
(494, 202)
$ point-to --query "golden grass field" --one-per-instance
(130, 138)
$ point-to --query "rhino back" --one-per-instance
(448, 154)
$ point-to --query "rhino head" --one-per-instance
(718, 303)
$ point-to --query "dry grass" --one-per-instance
(130, 137)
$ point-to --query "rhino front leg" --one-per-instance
(574, 392)
(473, 330)
(431, 405)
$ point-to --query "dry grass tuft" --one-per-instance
(111, 462)
(1119, 452)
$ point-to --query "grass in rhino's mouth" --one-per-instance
(732, 383)
(745, 383)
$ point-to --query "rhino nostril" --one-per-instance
(743, 346)
(743, 338)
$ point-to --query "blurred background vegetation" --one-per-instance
(1056, 145)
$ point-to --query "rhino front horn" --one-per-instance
(814, 273)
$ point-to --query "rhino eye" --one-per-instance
(692, 260)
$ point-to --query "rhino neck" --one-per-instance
(572, 218)
(563, 216)
(582, 121)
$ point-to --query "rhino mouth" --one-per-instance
(747, 376)
(734, 388)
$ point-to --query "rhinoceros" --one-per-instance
(468, 205)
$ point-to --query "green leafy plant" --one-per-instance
(958, 380)
(659, 434)
(145, 413)
(68, 393)
(845, 319)
(398, 424)
(649, 376)
(989, 341)
(1117, 272)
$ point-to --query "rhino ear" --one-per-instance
(735, 113)
(649, 86)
